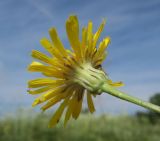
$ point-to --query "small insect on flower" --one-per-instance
(70, 75)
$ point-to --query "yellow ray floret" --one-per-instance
(90, 103)
(57, 42)
(56, 117)
(97, 34)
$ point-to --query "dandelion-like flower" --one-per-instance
(71, 75)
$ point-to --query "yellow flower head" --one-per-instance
(69, 75)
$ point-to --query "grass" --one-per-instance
(86, 128)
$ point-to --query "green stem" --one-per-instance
(112, 91)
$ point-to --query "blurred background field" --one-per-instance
(25, 127)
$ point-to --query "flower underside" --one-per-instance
(69, 75)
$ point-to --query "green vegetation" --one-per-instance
(86, 128)
(153, 117)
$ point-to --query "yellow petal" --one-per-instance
(90, 33)
(38, 67)
(54, 92)
(44, 82)
(58, 54)
(72, 29)
(33, 65)
(70, 52)
(56, 117)
(90, 103)
(73, 109)
(59, 96)
(52, 102)
(77, 103)
(54, 51)
(36, 102)
(84, 40)
(78, 106)
(47, 45)
(103, 46)
(48, 95)
(72, 105)
(98, 61)
(54, 84)
(115, 84)
(57, 42)
(68, 114)
(46, 70)
(54, 73)
(89, 48)
(101, 49)
(40, 90)
(42, 57)
(97, 34)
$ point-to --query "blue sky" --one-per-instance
(134, 28)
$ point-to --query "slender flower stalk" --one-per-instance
(71, 75)
(114, 92)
